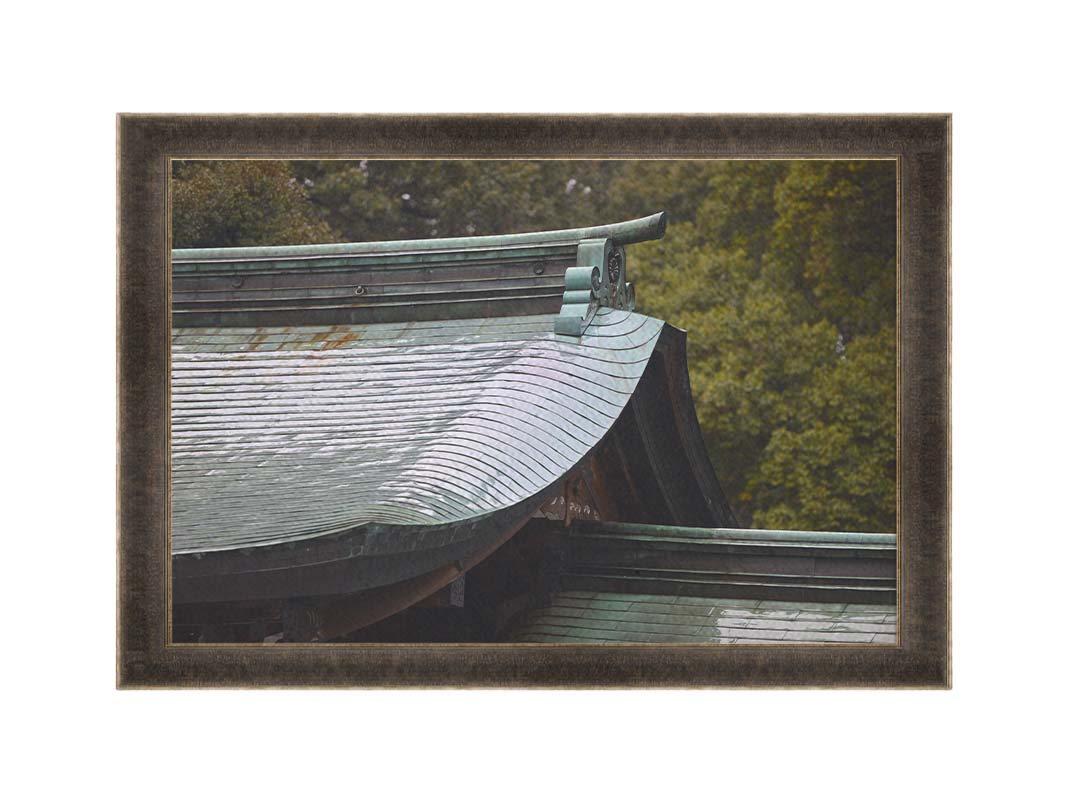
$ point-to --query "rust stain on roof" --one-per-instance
(340, 341)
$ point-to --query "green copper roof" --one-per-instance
(346, 417)
(285, 434)
(635, 582)
(660, 533)
(586, 617)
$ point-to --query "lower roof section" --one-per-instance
(583, 617)
(813, 566)
(620, 582)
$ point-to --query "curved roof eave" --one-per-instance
(288, 480)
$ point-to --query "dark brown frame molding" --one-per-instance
(920, 143)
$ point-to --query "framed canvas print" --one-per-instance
(527, 401)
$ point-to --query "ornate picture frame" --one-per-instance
(920, 144)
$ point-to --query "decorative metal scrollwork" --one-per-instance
(615, 265)
(598, 280)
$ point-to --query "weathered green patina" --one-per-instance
(597, 281)
(282, 434)
(446, 250)
(738, 535)
(627, 582)
(585, 617)
(570, 273)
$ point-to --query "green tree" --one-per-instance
(243, 203)
(784, 276)
(834, 239)
(378, 200)
(830, 463)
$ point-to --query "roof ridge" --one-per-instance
(629, 232)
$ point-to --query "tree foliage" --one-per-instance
(782, 272)
(243, 203)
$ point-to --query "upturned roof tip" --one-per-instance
(629, 232)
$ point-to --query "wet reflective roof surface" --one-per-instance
(579, 617)
(285, 433)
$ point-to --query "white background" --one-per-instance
(999, 69)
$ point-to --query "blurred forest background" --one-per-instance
(782, 272)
